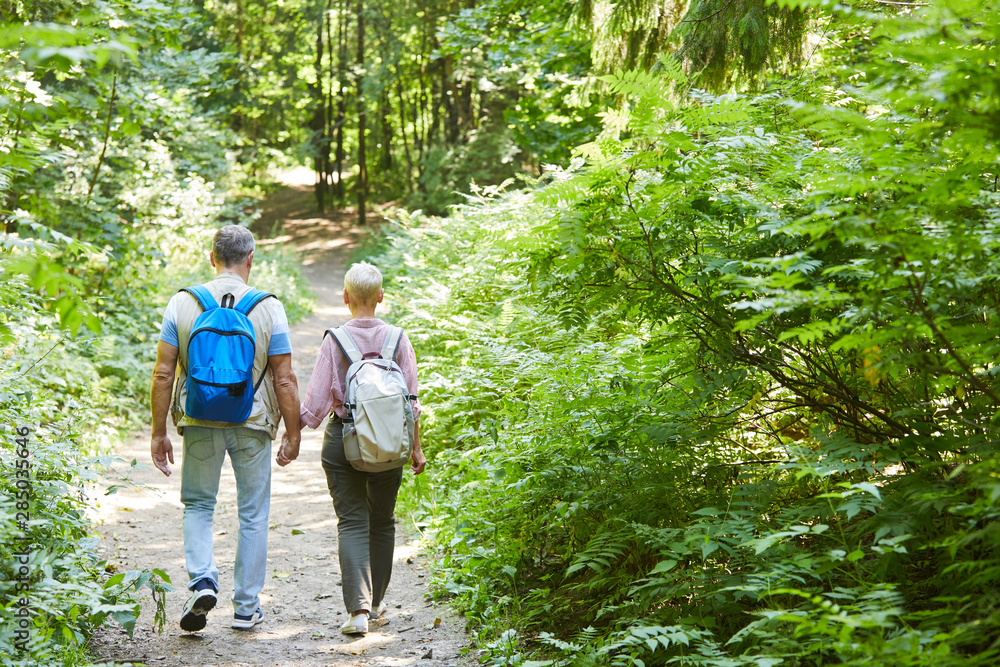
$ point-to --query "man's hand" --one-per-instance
(286, 388)
(418, 461)
(289, 450)
(163, 384)
(162, 451)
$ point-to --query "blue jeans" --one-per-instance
(365, 503)
(250, 454)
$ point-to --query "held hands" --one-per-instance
(418, 461)
(289, 450)
(162, 452)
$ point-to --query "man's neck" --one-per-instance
(240, 272)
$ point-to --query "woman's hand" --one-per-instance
(417, 460)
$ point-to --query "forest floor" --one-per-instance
(301, 600)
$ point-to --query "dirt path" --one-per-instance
(301, 599)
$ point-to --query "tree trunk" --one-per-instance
(402, 131)
(362, 166)
(421, 131)
(318, 124)
(484, 100)
(385, 133)
(448, 96)
(432, 131)
(239, 120)
(342, 95)
(330, 78)
(465, 117)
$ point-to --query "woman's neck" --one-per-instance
(363, 313)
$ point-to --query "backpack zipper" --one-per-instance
(224, 333)
(221, 333)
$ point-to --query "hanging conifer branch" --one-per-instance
(713, 14)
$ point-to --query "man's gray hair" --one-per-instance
(363, 283)
(231, 245)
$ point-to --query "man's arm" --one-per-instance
(159, 400)
(286, 387)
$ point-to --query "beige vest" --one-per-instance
(264, 416)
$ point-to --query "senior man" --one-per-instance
(206, 441)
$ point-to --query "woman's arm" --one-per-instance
(324, 392)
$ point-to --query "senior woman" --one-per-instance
(364, 501)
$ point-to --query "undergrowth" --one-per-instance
(103, 219)
(722, 392)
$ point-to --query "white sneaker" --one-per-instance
(198, 605)
(355, 625)
(375, 615)
(241, 622)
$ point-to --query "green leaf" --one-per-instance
(664, 566)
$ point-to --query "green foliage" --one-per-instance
(112, 181)
(728, 43)
(732, 43)
(536, 69)
(489, 158)
(722, 392)
(45, 525)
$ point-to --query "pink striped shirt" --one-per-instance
(329, 379)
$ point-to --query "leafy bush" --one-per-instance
(724, 393)
(51, 576)
(488, 158)
(112, 182)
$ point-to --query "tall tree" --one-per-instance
(362, 164)
(319, 123)
(342, 18)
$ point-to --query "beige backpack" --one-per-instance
(378, 435)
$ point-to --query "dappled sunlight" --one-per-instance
(297, 177)
(406, 552)
(355, 645)
(321, 245)
(133, 500)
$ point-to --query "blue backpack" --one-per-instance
(220, 354)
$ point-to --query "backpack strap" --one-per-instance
(391, 346)
(391, 343)
(346, 343)
(250, 301)
(202, 295)
(267, 362)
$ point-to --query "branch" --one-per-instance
(107, 134)
(928, 317)
(718, 11)
(39, 360)
(904, 4)
(747, 463)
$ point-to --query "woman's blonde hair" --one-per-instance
(363, 283)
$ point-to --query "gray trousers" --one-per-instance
(365, 503)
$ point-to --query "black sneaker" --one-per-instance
(196, 610)
(246, 622)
